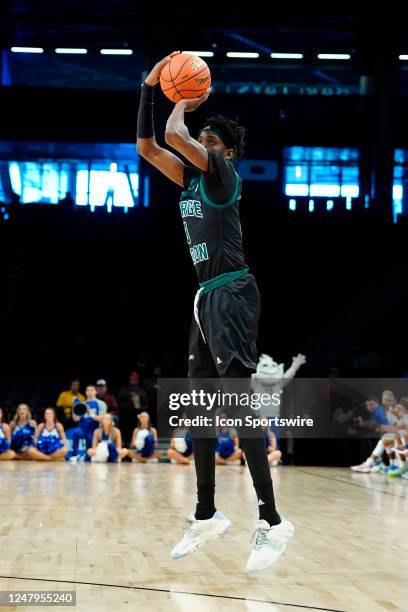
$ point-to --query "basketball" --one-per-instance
(185, 76)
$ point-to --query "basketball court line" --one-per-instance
(351, 484)
(157, 590)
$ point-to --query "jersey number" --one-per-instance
(187, 232)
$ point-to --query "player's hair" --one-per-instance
(233, 134)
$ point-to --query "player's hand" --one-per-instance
(154, 75)
(191, 104)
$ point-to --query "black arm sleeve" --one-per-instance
(145, 125)
(220, 178)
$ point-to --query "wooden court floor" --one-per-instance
(106, 531)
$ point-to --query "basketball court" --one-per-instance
(194, 198)
(106, 531)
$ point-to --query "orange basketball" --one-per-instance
(185, 76)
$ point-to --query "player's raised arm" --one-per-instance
(178, 136)
(165, 161)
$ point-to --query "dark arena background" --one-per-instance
(96, 282)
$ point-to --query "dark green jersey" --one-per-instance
(209, 207)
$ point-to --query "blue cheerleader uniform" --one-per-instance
(49, 441)
(113, 453)
(148, 449)
(189, 443)
(225, 444)
(4, 443)
(22, 437)
(268, 440)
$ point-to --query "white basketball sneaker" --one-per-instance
(199, 533)
(268, 544)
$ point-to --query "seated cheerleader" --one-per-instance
(274, 454)
(22, 435)
(181, 447)
(5, 440)
(50, 436)
(107, 442)
(144, 441)
(227, 444)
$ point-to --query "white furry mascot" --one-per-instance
(270, 377)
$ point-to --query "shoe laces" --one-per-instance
(259, 538)
(190, 526)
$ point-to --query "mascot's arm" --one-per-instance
(297, 362)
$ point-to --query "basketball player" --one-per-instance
(224, 328)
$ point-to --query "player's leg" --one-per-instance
(200, 368)
(237, 380)
(206, 524)
(272, 532)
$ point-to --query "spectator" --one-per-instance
(88, 415)
(50, 436)
(103, 394)
(5, 440)
(375, 417)
(389, 401)
(144, 441)
(132, 401)
(227, 444)
(66, 399)
(22, 435)
(107, 442)
(365, 426)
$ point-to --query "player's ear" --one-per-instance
(229, 153)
